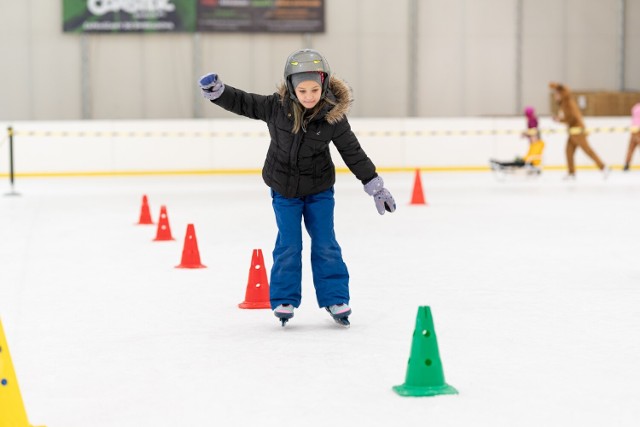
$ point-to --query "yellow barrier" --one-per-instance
(264, 134)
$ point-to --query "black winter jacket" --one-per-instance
(300, 164)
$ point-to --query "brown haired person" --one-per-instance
(569, 113)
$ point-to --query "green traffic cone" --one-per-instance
(424, 372)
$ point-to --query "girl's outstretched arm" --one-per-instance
(235, 100)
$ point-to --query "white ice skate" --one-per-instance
(340, 313)
(284, 312)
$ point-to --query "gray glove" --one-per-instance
(211, 86)
(382, 197)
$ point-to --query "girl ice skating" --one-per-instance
(306, 114)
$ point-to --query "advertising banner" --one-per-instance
(271, 16)
(125, 16)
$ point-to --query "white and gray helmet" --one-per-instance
(304, 61)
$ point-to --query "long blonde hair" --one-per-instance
(302, 116)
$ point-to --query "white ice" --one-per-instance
(534, 287)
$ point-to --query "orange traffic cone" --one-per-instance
(257, 295)
(145, 213)
(190, 254)
(164, 230)
(418, 195)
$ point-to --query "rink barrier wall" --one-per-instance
(238, 146)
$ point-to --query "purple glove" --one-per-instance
(382, 196)
(211, 86)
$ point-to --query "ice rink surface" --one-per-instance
(534, 286)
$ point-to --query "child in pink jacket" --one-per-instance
(634, 141)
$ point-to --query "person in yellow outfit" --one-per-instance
(533, 158)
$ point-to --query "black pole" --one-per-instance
(11, 174)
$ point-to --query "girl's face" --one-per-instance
(308, 93)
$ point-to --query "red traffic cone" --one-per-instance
(418, 195)
(145, 213)
(164, 230)
(190, 254)
(257, 295)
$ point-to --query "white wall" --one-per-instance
(233, 145)
(465, 51)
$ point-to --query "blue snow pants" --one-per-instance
(330, 275)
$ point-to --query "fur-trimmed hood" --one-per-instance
(338, 91)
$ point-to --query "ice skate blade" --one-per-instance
(343, 321)
(283, 317)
